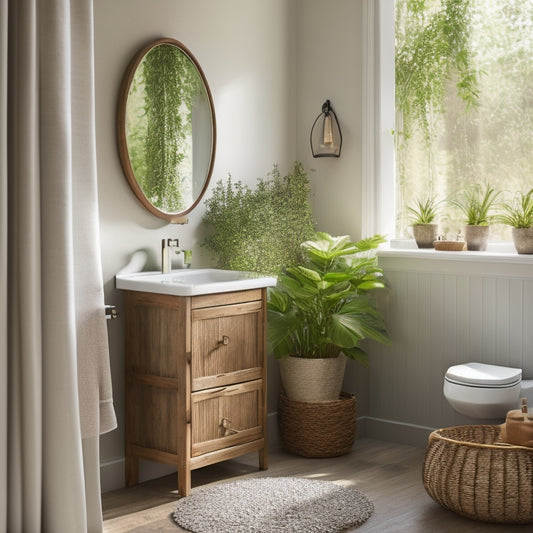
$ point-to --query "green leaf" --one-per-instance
(279, 330)
(357, 354)
(278, 301)
(345, 330)
(306, 274)
(371, 284)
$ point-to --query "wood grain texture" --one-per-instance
(195, 380)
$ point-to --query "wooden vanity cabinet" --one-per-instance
(195, 380)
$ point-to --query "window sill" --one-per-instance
(503, 252)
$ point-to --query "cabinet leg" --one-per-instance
(131, 471)
(184, 462)
(184, 482)
(263, 459)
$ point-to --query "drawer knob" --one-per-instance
(225, 424)
(224, 341)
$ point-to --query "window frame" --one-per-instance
(378, 163)
(378, 154)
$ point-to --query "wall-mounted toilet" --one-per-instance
(479, 390)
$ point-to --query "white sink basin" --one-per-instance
(193, 282)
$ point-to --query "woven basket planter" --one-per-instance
(321, 429)
(312, 380)
(467, 471)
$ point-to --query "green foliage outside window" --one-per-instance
(261, 229)
(464, 104)
(432, 48)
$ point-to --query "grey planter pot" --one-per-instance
(477, 238)
(523, 240)
(425, 234)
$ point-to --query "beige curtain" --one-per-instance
(54, 360)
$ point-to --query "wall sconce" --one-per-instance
(326, 137)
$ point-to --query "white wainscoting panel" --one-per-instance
(442, 312)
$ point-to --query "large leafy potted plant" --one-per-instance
(518, 214)
(321, 310)
(476, 205)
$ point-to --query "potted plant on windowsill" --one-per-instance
(423, 215)
(476, 205)
(518, 214)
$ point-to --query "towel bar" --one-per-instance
(111, 312)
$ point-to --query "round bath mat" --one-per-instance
(273, 504)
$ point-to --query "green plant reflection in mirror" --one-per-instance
(169, 129)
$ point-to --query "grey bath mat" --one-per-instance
(282, 504)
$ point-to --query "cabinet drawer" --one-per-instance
(227, 345)
(226, 416)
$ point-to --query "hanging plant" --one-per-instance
(432, 45)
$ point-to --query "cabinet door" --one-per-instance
(227, 345)
(226, 416)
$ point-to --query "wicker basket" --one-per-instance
(468, 471)
(321, 429)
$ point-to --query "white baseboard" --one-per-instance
(112, 474)
(393, 431)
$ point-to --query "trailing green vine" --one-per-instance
(432, 45)
(160, 136)
(171, 81)
(261, 229)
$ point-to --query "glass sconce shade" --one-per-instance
(326, 137)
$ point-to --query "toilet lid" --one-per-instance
(481, 374)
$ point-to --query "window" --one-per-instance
(463, 101)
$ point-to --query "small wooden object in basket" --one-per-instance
(518, 427)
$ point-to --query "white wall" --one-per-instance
(244, 47)
(328, 66)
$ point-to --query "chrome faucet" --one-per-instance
(168, 247)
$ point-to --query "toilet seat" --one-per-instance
(483, 375)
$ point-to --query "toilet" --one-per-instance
(483, 391)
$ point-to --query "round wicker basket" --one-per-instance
(321, 429)
(467, 470)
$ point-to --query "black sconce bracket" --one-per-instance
(326, 136)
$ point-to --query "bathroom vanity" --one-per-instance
(195, 370)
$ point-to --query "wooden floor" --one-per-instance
(389, 474)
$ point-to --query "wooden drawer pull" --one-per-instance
(225, 424)
(224, 389)
(224, 341)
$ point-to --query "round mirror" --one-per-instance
(166, 129)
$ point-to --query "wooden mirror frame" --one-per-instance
(177, 218)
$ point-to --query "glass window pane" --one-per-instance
(476, 126)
